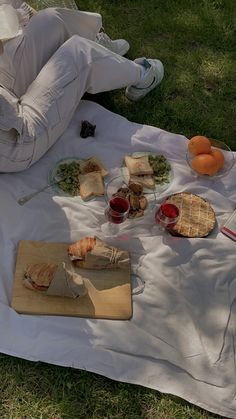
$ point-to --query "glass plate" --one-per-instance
(160, 187)
(118, 182)
(228, 157)
(56, 188)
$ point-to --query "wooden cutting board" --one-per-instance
(109, 291)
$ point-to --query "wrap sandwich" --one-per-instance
(54, 279)
(93, 253)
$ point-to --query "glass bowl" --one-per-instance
(118, 182)
(228, 156)
(113, 185)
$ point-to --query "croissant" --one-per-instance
(54, 279)
(93, 253)
(79, 249)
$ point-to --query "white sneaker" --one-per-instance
(152, 77)
(119, 46)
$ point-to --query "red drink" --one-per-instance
(117, 210)
(167, 215)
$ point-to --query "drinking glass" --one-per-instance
(117, 212)
(166, 216)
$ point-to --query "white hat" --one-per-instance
(9, 22)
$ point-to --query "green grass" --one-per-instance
(41, 391)
(194, 39)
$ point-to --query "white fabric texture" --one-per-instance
(181, 337)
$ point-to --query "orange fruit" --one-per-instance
(205, 164)
(219, 156)
(199, 144)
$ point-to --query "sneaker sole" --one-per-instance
(137, 94)
(124, 50)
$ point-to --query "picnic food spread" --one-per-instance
(196, 217)
(62, 279)
(85, 178)
(177, 270)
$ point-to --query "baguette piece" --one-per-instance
(93, 164)
(91, 184)
(147, 181)
(138, 165)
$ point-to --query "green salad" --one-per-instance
(69, 175)
(161, 168)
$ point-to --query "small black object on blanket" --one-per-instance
(87, 129)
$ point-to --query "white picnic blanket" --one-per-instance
(181, 338)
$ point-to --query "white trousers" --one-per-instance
(25, 56)
(61, 75)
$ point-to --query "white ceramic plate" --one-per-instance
(160, 187)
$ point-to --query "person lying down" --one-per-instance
(63, 280)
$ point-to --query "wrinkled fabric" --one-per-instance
(63, 66)
(181, 337)
(49, 103)
(45, 32)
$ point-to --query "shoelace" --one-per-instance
(27, 9)
(104, 39)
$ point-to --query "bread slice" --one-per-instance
(138, 165)
(147, 181)
(91, 184)
(93, 164)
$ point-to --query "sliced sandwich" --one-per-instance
(147, 181)
(91, 184)
(138, 165)
(93, 164)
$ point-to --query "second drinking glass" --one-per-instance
(166, 216)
